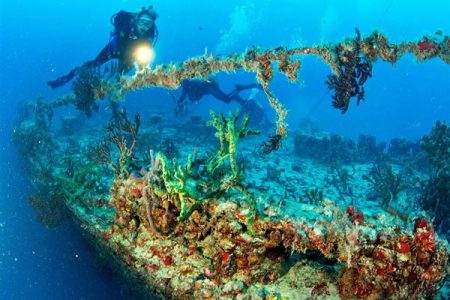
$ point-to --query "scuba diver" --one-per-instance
(130, 31)
(197, 89)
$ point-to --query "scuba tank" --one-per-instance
(121, 22)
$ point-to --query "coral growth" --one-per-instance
(403, 148)
(436, 189)
(354, 71)
(386, 184)
(50, 208)
(84, 89)
(273, 144)
(350, 60)
(341, 178)
(199, 229)
(192, 230)
(207, 239)
(122, 133)
(35, 141)
(215, 247)
(183, 190)
(314, 196)
(396, 265)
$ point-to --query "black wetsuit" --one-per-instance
(197, 89)
(119, 47)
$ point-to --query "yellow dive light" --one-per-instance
(143, 55)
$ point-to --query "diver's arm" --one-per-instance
(110, 51)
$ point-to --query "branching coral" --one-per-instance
(386, 184)
(178, 181)
(189, 187)
(81, 183)
(84, 86)
(341, 179)
(123, 134)
(313, 196)
(229, 132)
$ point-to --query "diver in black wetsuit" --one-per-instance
(196, 89)
(130, 30)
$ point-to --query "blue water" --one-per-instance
(42, 39)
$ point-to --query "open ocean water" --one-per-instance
(41, 40)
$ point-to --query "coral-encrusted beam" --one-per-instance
(261, 62)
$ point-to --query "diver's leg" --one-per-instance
(105, 55)
(221, 96)
(216, 92)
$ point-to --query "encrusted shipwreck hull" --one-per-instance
(214, 255)
(201, 230)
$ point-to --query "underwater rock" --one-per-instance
(368, 150)
(324, 147)
(403, 149)
(274, 173)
